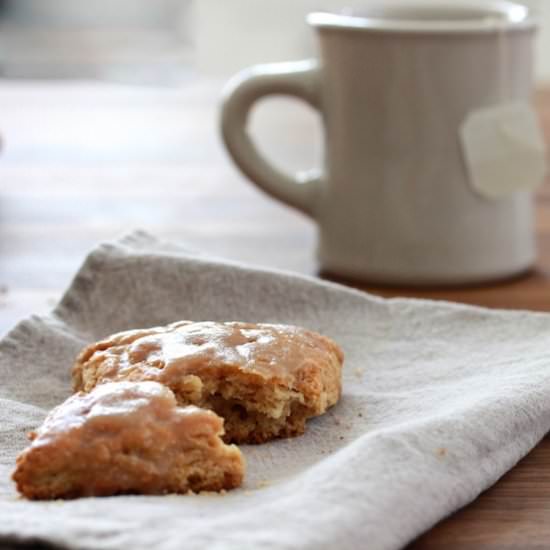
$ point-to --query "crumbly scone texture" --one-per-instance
(265, 380)
(127, 438)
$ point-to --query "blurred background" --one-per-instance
(166, 41)
(109, 122)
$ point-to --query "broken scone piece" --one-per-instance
(127, 437)
(265, 380)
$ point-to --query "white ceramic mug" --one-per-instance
(395, 85)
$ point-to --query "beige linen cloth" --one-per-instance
(439, 401)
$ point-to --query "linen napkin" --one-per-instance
(439, 401)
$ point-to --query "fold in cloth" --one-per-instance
(439, 401)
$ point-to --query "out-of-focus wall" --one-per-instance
(542, 9)
(233, 34)
(130, 41)
(93, 13)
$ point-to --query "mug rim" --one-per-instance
(515, 16)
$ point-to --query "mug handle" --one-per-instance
(300, 79)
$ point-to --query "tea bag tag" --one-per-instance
(504, 149)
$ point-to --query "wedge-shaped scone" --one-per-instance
(127, 437)
(265, 380)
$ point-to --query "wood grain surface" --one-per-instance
(84, 162)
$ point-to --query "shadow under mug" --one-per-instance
(394, 84)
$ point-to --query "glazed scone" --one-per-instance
(265, 380)
(127, 437)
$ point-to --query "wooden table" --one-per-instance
(89, 162)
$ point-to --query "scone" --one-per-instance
(127, 437)
(265, 380)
